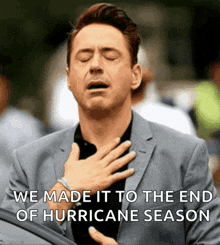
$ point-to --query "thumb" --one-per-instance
(100, 238)
(75, 152)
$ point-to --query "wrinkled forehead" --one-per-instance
(100, 35)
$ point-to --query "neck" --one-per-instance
(100, 127)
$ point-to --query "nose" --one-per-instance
(96, 65)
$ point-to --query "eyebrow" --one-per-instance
(109, 49)
(103, 49)
(84, 50)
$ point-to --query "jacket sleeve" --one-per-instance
(198, 178)
(18, 183)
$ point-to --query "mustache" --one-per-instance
(94, 78)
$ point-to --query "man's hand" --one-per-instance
(100, 238)
(97, 172)
(92, 174)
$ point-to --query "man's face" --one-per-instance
(100, 73)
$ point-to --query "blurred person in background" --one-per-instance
(17, 128)
(57, 96)
(207, 117)
(147, 102)
(215, 75)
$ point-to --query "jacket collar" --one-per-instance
(142, 144)
(62, 150)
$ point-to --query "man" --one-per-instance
(17, 128)
(102, 73)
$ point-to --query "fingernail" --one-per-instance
(92, 229)
(131, 169)
(133, 153)
(128, 142)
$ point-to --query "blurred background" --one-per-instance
(180, 46)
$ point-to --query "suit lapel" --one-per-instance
(143, 146)
(62, 151)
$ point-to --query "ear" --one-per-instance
(136, 76)
(68, 81)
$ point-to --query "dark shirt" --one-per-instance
(110, 227)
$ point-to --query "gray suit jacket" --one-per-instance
(166, 161)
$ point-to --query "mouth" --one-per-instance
(96, 85)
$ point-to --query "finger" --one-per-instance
(117, 152)
(100, 238)
(122, 175)
(107, 148)
(75, 152)
(119, 163)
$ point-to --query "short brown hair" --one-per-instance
(111, 15)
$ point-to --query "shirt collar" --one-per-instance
(81, 142)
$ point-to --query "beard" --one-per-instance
(97, 112)
(99, 109)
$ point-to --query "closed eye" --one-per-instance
(84, 56)
(110, 54)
